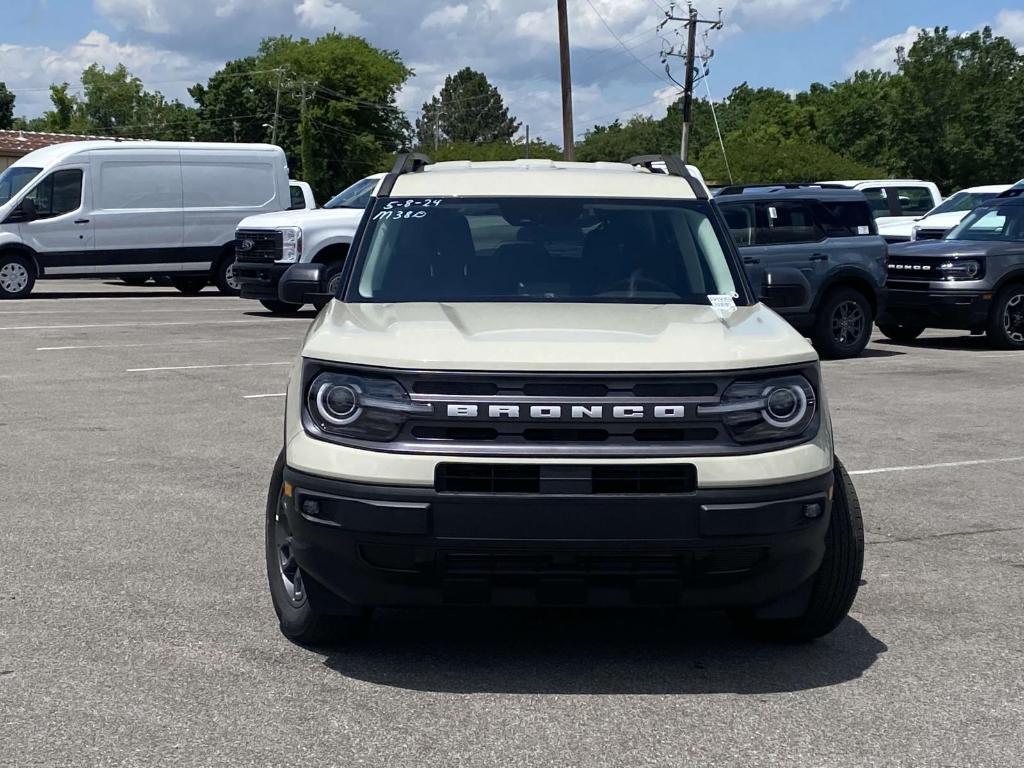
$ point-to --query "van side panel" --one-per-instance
(137, 211)
(222, 187)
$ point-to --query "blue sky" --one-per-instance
(783, 43)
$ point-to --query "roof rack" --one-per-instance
(674, 166)
(407, 162)
(739, 189)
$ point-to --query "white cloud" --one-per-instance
(28, 70)
(327, 15)
(445, 16)
(1010, 24)
(882, 55)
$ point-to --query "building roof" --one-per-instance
(539, 178)
(23, 142)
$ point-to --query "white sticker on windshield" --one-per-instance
(772, 213)
(722, 303)
(863, 230)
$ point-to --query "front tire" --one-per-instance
(280, 307)
(225, 279)
(1006, 320)
(837, 580)
(903, 334)
(190, 286)
(17, 276)
(843, 326)
(299, 601)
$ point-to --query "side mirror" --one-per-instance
(303, 284)
(785, 288)
(28, 210)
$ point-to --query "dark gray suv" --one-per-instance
(814, 255)
(972, 280)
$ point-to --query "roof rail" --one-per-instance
(674, 166)
(739, 189)
(407, 162)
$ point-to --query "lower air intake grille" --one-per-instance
(566, 479)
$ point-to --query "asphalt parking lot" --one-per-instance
(139, 430)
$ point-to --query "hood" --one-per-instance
(303, 217)
(942, 220)
(955, 248)
(553, 337)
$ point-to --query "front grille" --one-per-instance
(266, 245)
(931, 234)
(565, 479)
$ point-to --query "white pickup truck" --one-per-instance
(266, 245)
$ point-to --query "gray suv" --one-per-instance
(814, 255)
(972, 280)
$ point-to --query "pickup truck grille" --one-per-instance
(263, 245)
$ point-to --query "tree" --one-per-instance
(498, 150)
(754, 159)
(6, 107)
(337, 118)
(469, 109)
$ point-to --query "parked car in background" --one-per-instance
(894, 200)
(972, 280)
(814, 256)
(109, 208)
(302, 198)
(939, 220)
(267, 245)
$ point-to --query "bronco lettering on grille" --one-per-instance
(563, 411)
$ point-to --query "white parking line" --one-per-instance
(140, 325)
(259, 397)
(197, 367)
(165, 343)
(942, 465)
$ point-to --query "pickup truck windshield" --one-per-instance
(14, 179)
(962, 201)
(1005, 223)
(541, 249)
(356, 196)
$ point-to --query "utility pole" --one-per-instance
(527, 141)
(568, 140)
(690, 23)
(277, 106)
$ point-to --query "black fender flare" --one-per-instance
(25, 251)
(854, 277)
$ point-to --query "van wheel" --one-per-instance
(307, 613)
(843, 326)
(17, 277)
(135, 280)
(1006, 319)
(190, 286)
(837, 580)
(903, 334)
(280, 307)
(225, 279)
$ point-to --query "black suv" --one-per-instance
(814, 255)
(971, 280)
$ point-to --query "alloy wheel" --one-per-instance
(847, 323)
(1013, 318)
(230, 279)
(287, 566)
(13, 277)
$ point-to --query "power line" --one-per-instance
(624, 47)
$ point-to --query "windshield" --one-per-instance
(356, 196)
(541, 249)
(14, 179)
(1005, 222)
(962, 201)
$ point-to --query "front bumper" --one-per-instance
(401, 546)
(925, 306)
(259, 279)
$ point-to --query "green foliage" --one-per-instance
(469, 110)
(6, 107)
(335, 97)
(755, 159)
(497, 150)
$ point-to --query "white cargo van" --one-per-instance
(109, 208)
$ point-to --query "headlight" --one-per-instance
(767, 409)
(358, 407)
(291, 244)
(961, 269)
